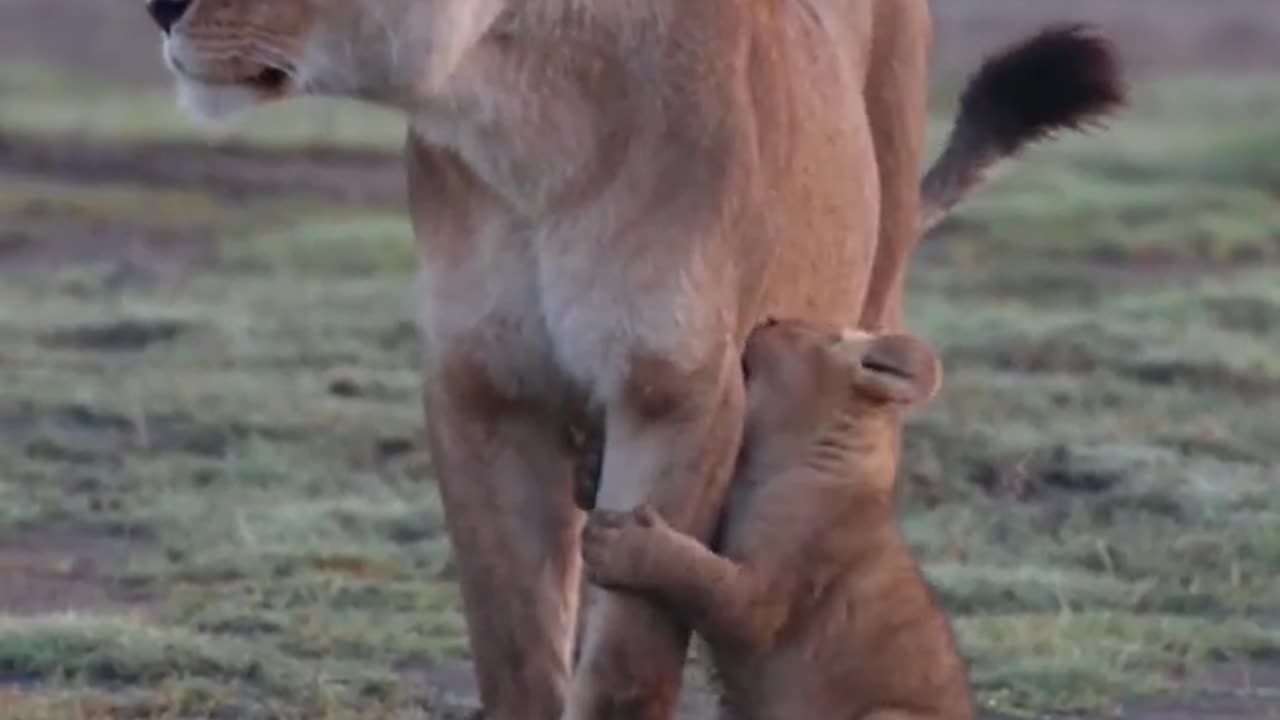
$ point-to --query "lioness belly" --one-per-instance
(820, 194)
(479, 300)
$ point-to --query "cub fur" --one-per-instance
(814, 606)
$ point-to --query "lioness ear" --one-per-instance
(898, 368)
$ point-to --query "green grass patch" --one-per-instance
(147, 206)
(115, 652)
(95, 667)
(1080, 662)
(349, 244)
(53, 101)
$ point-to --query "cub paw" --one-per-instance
(617, 546)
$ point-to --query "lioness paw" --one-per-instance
(616, 546)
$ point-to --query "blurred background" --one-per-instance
(214, 495)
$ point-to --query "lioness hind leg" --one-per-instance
(896, 100)
(514, 532)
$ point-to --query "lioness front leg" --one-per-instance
(638, 551)
(671, 443)
(505, 478)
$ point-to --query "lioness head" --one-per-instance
(228, 55)
(823, 396)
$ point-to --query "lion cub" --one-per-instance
(814, 609)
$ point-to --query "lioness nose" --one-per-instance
(167, 13)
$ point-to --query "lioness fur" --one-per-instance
(814, 607)
(607, 195)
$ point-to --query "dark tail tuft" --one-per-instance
(1064, 77)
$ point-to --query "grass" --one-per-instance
(49, 99)
(1079, 661)
(346, 244)
(1094, 493)
(110, 668)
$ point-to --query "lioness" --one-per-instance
(607, 195)
(814, 607)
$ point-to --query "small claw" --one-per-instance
(607, 519)
(592, 569)
(591, 538)
(646, 516)
(602, 581)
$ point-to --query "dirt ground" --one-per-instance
(113, 39)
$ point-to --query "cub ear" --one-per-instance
(897, 368)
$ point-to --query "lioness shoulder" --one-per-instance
(814, 606)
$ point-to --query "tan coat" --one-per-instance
(607, 194)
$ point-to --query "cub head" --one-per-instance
(229, 55)
(818, 394)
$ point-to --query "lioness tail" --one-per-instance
(1066, 77)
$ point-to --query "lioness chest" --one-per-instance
(748, 187)
(556, 316)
